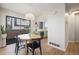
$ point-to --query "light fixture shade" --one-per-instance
(29, 16)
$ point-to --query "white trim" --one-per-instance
(66, 46)
(56, 47)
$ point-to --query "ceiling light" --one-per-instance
(29, 16)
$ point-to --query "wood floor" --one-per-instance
(72, 49)
(46, 50)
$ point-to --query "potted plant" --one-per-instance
(3, 32)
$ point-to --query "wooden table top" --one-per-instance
(29, 36)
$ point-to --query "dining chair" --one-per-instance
(35, 44)
(18, 45)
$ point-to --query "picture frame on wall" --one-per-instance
(22, 22)
(12, 22)
(8, 23)
(17, 22)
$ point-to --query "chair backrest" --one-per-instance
(17, 40)
(34, 44)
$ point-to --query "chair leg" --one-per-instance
(27, 50)
(40, 50)
(40, 47)
(33, 51)
(16, 49)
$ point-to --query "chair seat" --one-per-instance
(33, 45)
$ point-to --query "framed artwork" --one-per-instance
(8, 23)
(15, 22)
(22, 22)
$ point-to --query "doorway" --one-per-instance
(77, 27)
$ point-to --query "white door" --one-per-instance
(77, 27)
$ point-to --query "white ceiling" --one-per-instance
(24, 8)
(37, 8)
(70, 7)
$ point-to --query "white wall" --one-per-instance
(56, 26)
(5, 12)
(71, 27)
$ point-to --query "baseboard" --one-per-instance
(57, 47)
(3, 46)
(72, 41)
(66, 47)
